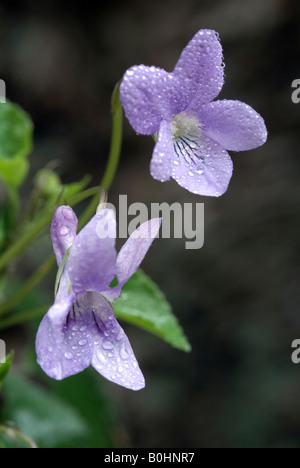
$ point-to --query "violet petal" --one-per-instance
(135, 248)
(233, 124)
(132, 254)
(91, 264)
(64, 349)
(208, 176)
(63, 231)
(161, 163)
(113, 356)
(200, 67)
(149, 95)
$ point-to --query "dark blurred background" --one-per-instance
(238, 297)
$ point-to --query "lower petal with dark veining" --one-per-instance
(89, 334)
(113, 356)
(66, 349)
(204, 170)
(197, 163)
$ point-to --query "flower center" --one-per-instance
(186, 133)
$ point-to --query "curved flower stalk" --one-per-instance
(194, 133)
(80, 329)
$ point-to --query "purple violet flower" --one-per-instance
(193, 132)
(80, 328)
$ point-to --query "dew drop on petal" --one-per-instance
(124, 353)
(107, 345)
(68, 356)
(100, 357)
(64, 231)
(120, 335)
(68, 213)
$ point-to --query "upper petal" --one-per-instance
(207, 175)
(63, 231)
(135, 248)
(233, 124)
(113, 356)
(149, 95)
(91, 264)
(200, 67)
(132, 254)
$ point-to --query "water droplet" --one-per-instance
(100, 356)
(50, 349)
(82, 329)
(120, 335)
(64, 230)
(82, 342)
(124, 353)
(107, 345)
(68, 356)
(68, 213)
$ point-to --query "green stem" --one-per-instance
(29, 235)
(29, 285)
(15, 434)
(116, 139)
(24, 317)
(14, 203)
(35, 229)
(113, 156)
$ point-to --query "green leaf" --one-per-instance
(5, 367)
(5, 224)
(144, 305)
(14, 171)
(89, 394)
(47, 419)
(16, 130)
